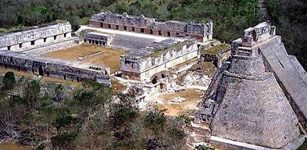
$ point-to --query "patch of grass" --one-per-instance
(215, 49)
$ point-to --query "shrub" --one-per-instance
(9, 81)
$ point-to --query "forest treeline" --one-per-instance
(230, 17)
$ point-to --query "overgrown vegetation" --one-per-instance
(290, 17)
(89, 116)
(215, 49)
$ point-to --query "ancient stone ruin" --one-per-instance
(142, 64)
(142, 24)
(36, 36)
(96, 38)
(21, 50)
(251, 99)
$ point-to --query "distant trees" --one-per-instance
(34, 12)
(290, 18)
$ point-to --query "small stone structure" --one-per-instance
(37, 36)
(142, 24)
(248, 102)
(98, 38)
(142, 64)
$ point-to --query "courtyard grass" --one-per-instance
(108, 58)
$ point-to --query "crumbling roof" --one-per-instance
(155, 49)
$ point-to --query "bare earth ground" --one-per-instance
(191, 98)
(109, 57)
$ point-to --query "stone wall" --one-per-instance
(36, 36)
(152, 60)
(54, 67)
(142, 24)
(98, 38)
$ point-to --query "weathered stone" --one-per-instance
(36, 36)
(252, 106)
(142, 24)
(98, 38)
(142, 64)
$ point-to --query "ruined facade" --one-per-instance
(54, 68)
(142, 64)
(21, 51)
(142, 24)
(247, 101)
(37, 36)
(98, 38)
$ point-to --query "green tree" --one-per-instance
(9, 81)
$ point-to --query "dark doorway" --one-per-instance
(142, 30)
(168, 34)
(40, 71)
(154, 80)
(64, 77)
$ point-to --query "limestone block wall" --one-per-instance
(36, 36)
(54, 67)
(53, 47)
(98, 39)
(146, 66)
(142, 24)
(259, 33)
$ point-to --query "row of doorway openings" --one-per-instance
(133, 30)
(33, 42)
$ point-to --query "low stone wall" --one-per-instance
(54, 67)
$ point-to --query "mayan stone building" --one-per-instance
(22, 50)
(36, 36)
(96, 38)
(142, 24)
(247, 101)
(142, 64)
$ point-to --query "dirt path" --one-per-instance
(171, 102)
